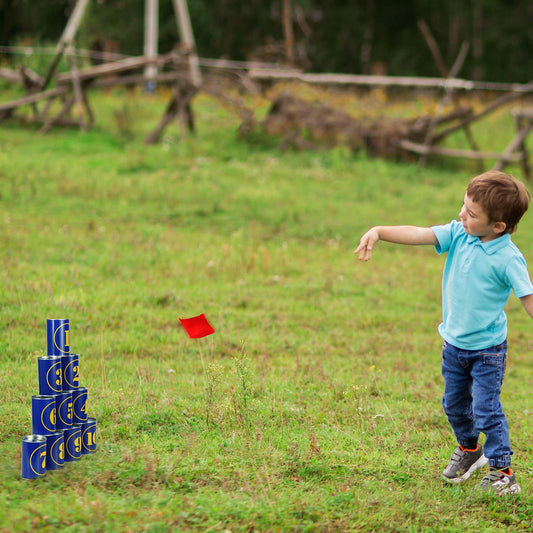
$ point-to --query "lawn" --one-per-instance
(315, 406)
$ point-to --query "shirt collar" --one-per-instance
(493, 246)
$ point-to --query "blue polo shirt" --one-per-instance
(476, 284)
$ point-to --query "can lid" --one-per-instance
(43, 396)
(34, 438)
(49, 357)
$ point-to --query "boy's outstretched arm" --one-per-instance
(527, 302)
(396, 234)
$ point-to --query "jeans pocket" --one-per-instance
(494, 359)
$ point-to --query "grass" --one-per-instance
(316, 404)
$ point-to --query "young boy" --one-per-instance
(482, 266)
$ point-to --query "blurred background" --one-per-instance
(345, 36)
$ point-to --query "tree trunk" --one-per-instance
(287, 31)
(477, 39)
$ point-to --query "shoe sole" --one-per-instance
(482, 461)
(513, 489)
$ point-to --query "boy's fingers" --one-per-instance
(364, 251)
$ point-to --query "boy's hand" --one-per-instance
(366, 244)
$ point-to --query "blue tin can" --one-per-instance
(79, 404)
(43, 414)
(73, 443)
(64, 410)
(58, 336)
(50, 372)
(88, 435)
(70, 365)
(33, 457)
(55, 450)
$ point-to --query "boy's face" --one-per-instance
(477, 223)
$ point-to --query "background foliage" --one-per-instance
(335, 36)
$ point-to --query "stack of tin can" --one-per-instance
(61, 429)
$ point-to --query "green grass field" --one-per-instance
(316, 404)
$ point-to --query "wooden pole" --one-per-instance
(67, 37)
(433, 48)
(35, 97)
(151, 18)
(491, 107)
(80, 100)
(452, 152)
(445, 99)
(49, 123)
(187, 40)
(517, 143)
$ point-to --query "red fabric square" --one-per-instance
(197, 326)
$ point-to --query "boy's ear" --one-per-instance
(499, 227)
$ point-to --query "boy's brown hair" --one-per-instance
(502, 197)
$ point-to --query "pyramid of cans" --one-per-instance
(61, 429)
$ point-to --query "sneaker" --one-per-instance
(500, 482)
(464, 463)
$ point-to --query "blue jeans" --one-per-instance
(471, 401)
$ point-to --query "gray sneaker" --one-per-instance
(500, 483)
(464, 463)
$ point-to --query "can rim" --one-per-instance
(34, 438)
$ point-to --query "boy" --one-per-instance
(482, 266)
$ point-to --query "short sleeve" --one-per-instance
(444, 235)
(518, 276)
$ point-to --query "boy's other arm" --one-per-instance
(527, 302)
(396, 234)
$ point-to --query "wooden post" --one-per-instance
(78, 91)
(187, 40)
(520, 118)
(67, 37)
(518, 143)
(445, 99)
(49, 123)
(151, 16)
